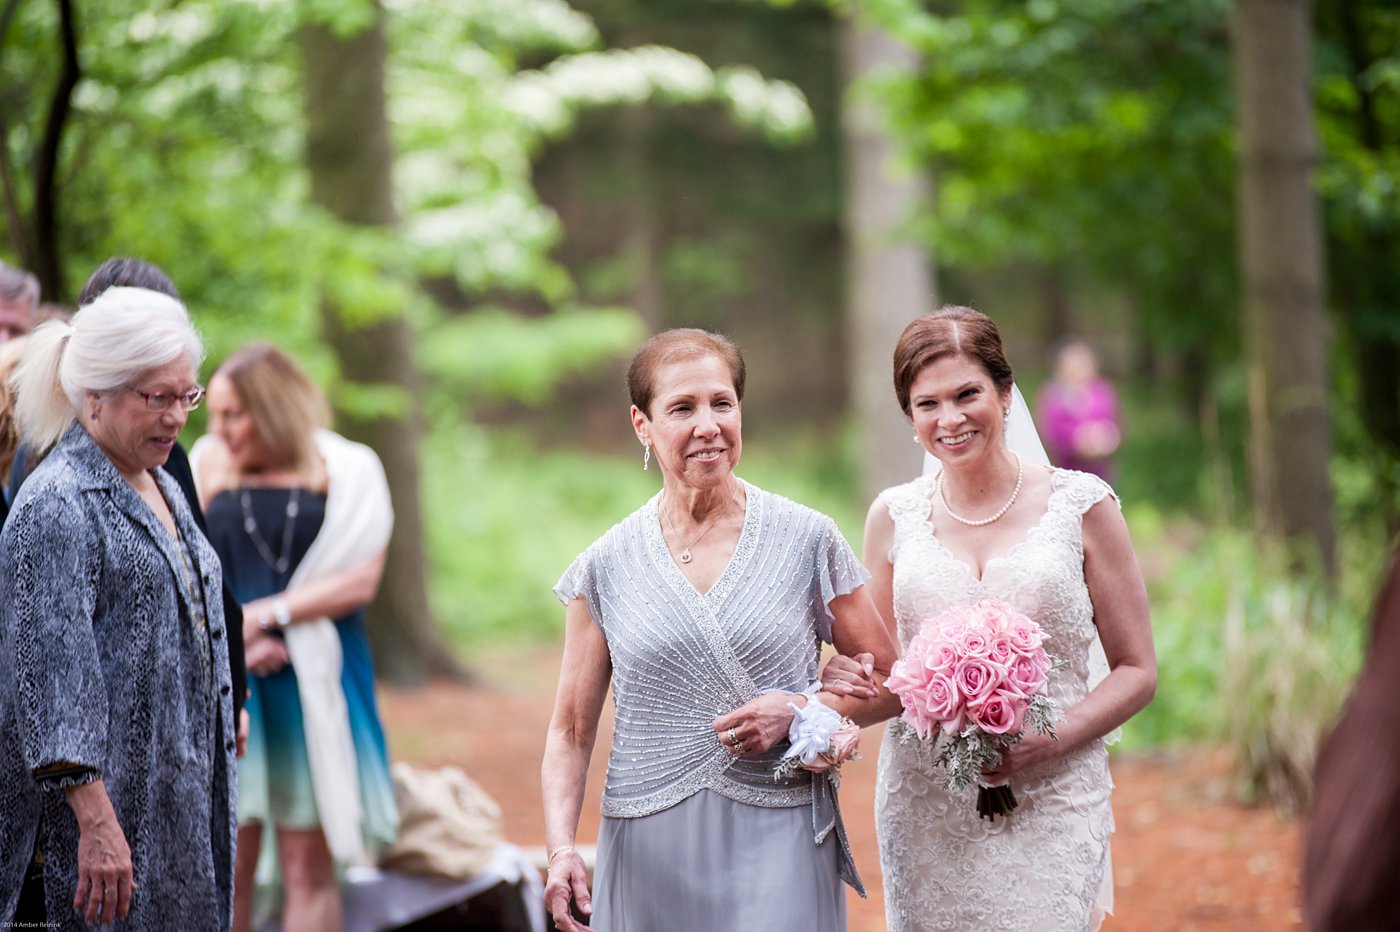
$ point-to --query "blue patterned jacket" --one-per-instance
(104, 665)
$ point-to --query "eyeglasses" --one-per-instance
(162, 401)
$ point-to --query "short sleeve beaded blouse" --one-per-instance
(680, 658)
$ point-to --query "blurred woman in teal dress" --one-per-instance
(300, 517)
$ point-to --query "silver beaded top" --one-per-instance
(681, 658)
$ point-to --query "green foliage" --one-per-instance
(1247, 653)
(1093, 137)
(1162, 460)
(1099, 139)
(549, 97)
(495, 355)
(503, 523)
(1292, 657)
(1358, 96)
(471, 117)
(723, 228)
(345, 18)
(185, 148)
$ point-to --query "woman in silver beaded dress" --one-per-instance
(706, 609)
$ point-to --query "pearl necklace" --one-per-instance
(943, 495)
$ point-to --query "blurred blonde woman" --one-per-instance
(10, 353)
(300, 517)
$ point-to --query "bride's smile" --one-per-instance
(956, 410)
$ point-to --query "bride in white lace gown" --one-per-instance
(1053, 544)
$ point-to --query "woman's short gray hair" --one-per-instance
(109, 344)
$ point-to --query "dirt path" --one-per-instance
(1184, 856)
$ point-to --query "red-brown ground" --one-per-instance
(1185, 856)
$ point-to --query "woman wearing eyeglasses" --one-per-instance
(300, 518)
(116, 708)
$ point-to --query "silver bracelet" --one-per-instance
(558, 851)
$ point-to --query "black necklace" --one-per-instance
(280, 563)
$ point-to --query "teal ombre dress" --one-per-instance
(274, 777)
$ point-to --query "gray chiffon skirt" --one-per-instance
(709, 863)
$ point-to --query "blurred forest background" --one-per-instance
(463, 215)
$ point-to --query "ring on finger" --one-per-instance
(734, 740)
(739, 748)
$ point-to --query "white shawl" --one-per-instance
(359, 518)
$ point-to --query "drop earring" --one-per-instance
(646, 457)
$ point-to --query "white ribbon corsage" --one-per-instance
(822, 739)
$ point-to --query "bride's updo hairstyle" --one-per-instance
(952, 330)
(678, 345)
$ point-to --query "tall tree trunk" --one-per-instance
(350, 160)
(1281, 266)
(889, 280)
(48, 264)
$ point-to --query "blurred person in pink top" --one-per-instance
(1078, 413)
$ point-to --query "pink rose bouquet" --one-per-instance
(822, 739)
(975, 677)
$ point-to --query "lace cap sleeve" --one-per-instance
(579, 581)
(908, 506)
(839, 571)
(1085, 490)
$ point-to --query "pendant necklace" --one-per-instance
(685, 556)
(282, 561)
(943, 495)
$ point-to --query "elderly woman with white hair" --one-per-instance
(116, 717)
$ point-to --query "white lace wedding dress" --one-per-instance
(1046, 866)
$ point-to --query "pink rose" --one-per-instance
(973, 642)
(1000, 651)
(845, 742)
(950, 630)
(951, 726)
(908, 680)
(907, 675)
(942, 699)
(1003, 713)
(1027, 675)
(941, 659)
(1026, 636)
(916, 715)
(976, 678)
(994, 617)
